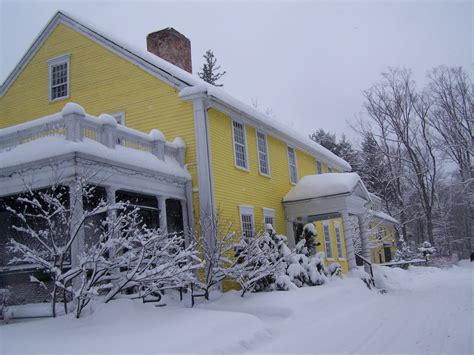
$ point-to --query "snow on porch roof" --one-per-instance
(325, 185)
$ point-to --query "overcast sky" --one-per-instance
(307, 61)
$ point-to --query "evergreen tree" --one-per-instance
(210, 71)
(343, 148)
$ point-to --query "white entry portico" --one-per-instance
(333, 194)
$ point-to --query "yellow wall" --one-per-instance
(102, 82)
(377, 254)
(321, 247)
(234, 186)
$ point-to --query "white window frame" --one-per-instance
(337, 231)
(268, 213)
(293, 181)
(244, 132)
(327, 241)
(62, 59)
(266, 154)
(119, 117)
(247, 211)
(319, 167)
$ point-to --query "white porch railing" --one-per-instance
(74, 124)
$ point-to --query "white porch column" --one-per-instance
(186, 228)
(348, 237)
(290, 233)
(110, 192)
(77, 210)
(364, 238)
(162, 208)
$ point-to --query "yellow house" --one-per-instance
(241, 163)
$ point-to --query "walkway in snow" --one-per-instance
(426, 310)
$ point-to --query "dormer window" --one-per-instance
(58, 77)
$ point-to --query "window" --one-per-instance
(319, 167)
(337, 229)
(119, 117)
(58, 77)
(268, 217)
(327, 240)
(246, 221)
(147, 206)
(240, 145)
(262, 154)
(329, 169)
(292, 164)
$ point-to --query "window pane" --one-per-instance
(247, 225)
(327, 240)
(262, 153)
(59, 77)
(338, 241)
(239, 145)
(292, 163)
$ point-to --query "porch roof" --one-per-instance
(327, 185)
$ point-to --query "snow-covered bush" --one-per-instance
(51, 220)
(309, 235)
(425, 250)
(215, 244)
(126, 253)
(256, 263)
(404, 252)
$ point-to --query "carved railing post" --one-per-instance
(73, 114)
(181, 150)
(158, 143)
(109, 129)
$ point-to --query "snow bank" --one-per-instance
(433, 315)
(321, 185)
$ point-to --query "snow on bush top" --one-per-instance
(314, 186)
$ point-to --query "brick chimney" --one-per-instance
(172, 46)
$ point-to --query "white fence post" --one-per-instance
(109, 129)
(73, 114)
(158, 143)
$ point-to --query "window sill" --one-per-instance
(58, 99)
(265, 175)
(241, 168)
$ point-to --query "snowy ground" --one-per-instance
(426, 310)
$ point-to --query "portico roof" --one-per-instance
(327, 185)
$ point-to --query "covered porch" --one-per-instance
(123, 164)
(327, 196)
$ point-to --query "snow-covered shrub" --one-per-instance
(425, 250)
(334, 269)
(309, 235)
(215, 243)
(51, 220)
(126, 254)
(404, 252)
(129, 254)
(256, 263)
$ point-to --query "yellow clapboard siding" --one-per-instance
(102, 82)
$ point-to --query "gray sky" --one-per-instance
(307, 61)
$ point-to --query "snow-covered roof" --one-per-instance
(325, 185)
(385, 216)
(188, 84)
(53, 146)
